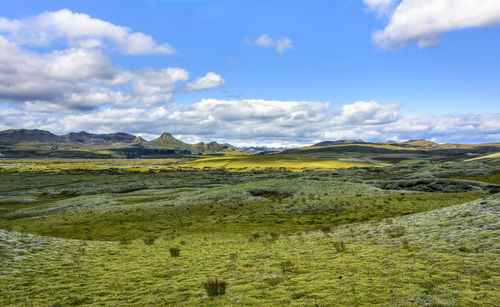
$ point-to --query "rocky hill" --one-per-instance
(25, 143)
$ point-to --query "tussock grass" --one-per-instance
(215, 287)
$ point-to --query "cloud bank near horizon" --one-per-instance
(268, 122)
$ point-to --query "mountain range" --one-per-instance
(26, 143)
(41, 143)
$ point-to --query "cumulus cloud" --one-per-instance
(281, 44)
(81, 77)
(425, 21)
(78, 79)
(59, 77)
(81, 31)
(153, 86)
(267, 122)
(362, 113)
(210, 80)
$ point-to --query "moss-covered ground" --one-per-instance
(411, 234)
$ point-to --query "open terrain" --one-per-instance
(100, 232)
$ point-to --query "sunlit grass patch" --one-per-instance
(491, 156)
(291, 162)
(61, 165)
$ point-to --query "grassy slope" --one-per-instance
(444, 257)
(492, 156)
(240, 227)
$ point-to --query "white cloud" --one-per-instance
(238, 121)
(267, 122)
(362, 113)
(424, 21)
(81, 77)
(80, 30)
(153, 86)
(58, 77)
(78, 64)
(382, 7)
(210, 80)
(281, 44)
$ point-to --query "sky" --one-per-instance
(262, 72)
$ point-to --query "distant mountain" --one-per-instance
(260, 149)
(419, 143)
(25, 135)
(167, 140)
(42, 136)
(211, 147)
(41, 143)
(338, 142)
(393, 151)
(89, 138)
(139, 140)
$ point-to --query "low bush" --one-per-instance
(395, 231)
(149, 240)
(339, 246)
(325, 228)
(175, 251)
(255, 236)
(125, 241)
(286, 265)
(405, 243)
(215, 287)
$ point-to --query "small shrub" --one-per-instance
(274, 235)
(286, 265)
(395, 231)
(339, 246)
(175, 251)
(464, 248)
(256, 235)
(233, 256)
(149, 240)
(325, 228)
(183, 242)
(405, 243)
(215, 287)
(125, 241)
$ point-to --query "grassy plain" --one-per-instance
(414, 233)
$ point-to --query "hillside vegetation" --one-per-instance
(142, 232)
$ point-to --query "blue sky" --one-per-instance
(334, 76)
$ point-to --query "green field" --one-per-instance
(99, 232)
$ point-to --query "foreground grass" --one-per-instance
(442, 257)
